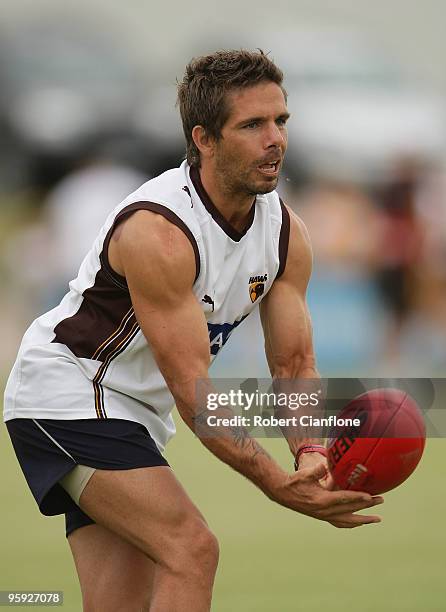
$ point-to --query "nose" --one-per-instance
(275, 136)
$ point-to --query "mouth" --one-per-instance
(270, 168)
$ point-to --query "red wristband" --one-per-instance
(309, 448)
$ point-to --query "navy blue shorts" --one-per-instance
(48, 449)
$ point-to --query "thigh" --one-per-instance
(147, 507)
(113, 574)
(49, 449)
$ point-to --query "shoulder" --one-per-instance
(299, 236)
(169, 189)
(148, 230)
(148, 247)
(155, 222)
(299, 260)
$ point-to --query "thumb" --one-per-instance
(318, 471)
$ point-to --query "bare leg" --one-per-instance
(114, 575)
(149, 509)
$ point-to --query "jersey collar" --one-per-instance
(229, 230)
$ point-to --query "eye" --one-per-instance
(281, 121)
(251, 125)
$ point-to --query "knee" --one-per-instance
(205, 547)
(197, 551)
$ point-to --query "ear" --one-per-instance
(204, 143)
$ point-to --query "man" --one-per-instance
(166, 281)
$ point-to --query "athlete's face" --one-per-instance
(249, 154)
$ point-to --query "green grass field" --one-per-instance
(272, 560)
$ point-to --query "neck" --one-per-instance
(234, 206)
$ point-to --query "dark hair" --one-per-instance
(207, 79)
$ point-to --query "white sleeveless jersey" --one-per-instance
(87, 358)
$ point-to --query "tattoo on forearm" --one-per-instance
(244, 440)
(239, 435)
(200, 419)
(257, 449)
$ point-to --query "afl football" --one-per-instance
(380, 452)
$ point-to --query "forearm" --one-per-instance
(301, 435)
(189, 383)
(301, 492)
(234, 446)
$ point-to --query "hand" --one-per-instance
(303, 493)
(309, 460)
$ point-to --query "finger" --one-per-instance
(345, 497)
(355, 520)
(328, 483)
(315, 473)
(342, 501)
(337, 509)
(341, 525)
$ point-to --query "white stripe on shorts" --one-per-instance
(53, 440)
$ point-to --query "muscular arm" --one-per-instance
(159, 265)
(286, 322)
(160, 273)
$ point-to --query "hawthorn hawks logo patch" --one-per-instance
(257, 286)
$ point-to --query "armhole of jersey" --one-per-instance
(119, 280)
(284, 239)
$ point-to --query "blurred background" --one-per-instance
(87, 113)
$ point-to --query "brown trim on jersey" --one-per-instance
(228, 229)
(105, 323)
(107, 342)
(284, 239)
(159, 209)
(99, 321)
(100, 374)
(101, 329)
(99, 400)
(106, 312)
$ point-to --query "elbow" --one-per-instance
(295, 366)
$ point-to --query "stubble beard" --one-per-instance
(236, 182)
